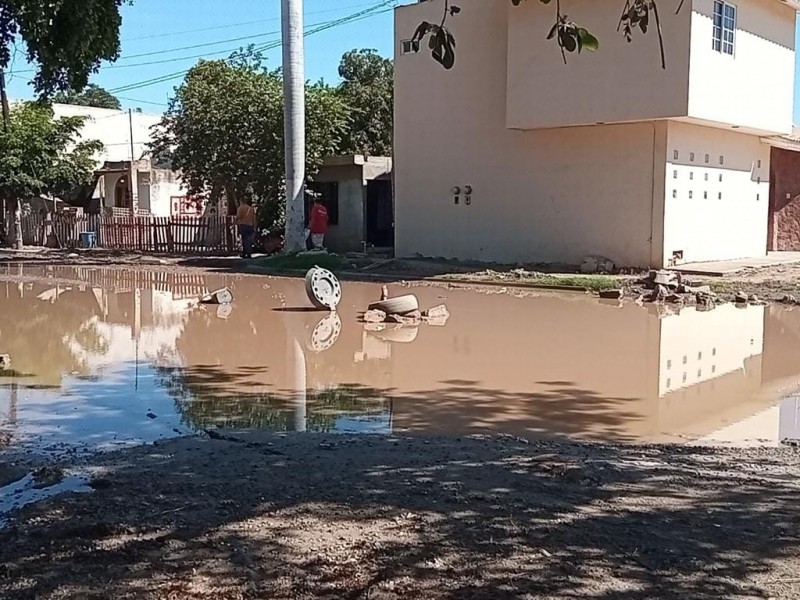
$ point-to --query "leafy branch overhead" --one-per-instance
(568, 34)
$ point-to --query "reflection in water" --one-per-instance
(104, 357)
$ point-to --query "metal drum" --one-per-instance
(323, 288)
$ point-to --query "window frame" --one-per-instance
(719, 41)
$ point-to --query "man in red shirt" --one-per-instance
(318, 224)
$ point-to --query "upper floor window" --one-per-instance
(724, 27)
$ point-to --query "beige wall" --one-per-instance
(545, 195)
(753, 88)
(348, 235)
(620, 82)
(726, 215)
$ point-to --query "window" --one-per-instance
(675, 155)
(707, 158)
(691, 175)
(724, 27)
(328, 192)
(409, 46)
(674, 193)
(691, 156)
(675, 174)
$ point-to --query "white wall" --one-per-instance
(112, 128)
(698, 346)
(722, 219)
(755, 87)
(164, 185)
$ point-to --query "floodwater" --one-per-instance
(103, 357)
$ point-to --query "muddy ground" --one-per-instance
(771, 284)
(301, 516)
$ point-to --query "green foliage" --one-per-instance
(224, 132)
(66, 39)
(367, 89)
(43, 155)
(92, 95)
(569, 36)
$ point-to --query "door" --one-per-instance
(380, 214)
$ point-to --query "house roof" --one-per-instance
(790, 141)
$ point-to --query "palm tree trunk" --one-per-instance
(294, 122)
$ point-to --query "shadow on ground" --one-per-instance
(313, 516)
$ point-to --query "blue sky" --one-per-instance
(157, 36)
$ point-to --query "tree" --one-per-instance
(367, 89)
(570, 37)
(42, 155)
(65, 39)
(224, 132)
(92, 95)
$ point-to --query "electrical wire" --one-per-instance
(358, 16)
(242, 24)
(372, 5)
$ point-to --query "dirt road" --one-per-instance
(312, 516)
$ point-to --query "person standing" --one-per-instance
(246, 222)
(318, 224)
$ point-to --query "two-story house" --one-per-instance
(514, 156)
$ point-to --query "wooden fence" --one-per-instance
(178, 235)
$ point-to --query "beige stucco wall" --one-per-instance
(726, 215)
(348, 235)
(164, 185)
(753, 88)
(620, 82)
(544, 195)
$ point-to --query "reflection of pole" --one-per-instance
(12, 404)
(300, 396)
(137, 327)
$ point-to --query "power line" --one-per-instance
(143, 101)
(243, 23)
(372, 5)
(358, 16)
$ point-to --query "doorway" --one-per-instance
(380, 213)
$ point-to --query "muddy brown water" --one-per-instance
(103, 357)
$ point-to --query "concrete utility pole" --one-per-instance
(294, 101)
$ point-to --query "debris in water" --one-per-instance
(375, 316)
(437, 312)
(221, 296)
(151, 415)
(611, 294)
(323, 288)
(401, 305)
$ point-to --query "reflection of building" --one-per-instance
(553, 365)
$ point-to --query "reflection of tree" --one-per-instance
(207, 397)
(36, 333)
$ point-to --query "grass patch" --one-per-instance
(594, 283)
(301, 262)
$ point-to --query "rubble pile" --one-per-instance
(664, 286)
(404, 311)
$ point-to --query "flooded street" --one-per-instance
(103, 357)
(110, 359)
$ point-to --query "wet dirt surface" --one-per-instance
(302, 516)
